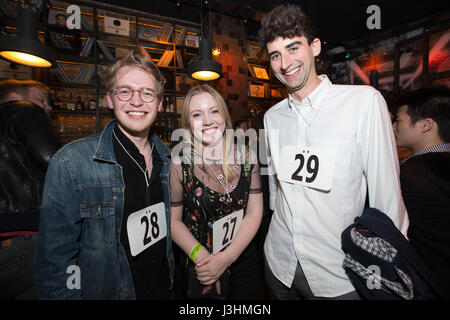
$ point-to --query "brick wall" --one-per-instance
(230, 36)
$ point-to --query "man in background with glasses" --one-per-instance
(104, 220)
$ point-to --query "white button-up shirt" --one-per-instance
(307, 223)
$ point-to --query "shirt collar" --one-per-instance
(315, 98)
(444, 147)
(130, 146)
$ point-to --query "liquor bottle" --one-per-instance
(86, 100)
(166, 104)
(171, 107)
(54, 101)
(102, 102)
(92, 103)
(79, 104)
(70, 103)
(63, 102)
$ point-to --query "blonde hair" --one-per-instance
(223, 111)
(138, 60)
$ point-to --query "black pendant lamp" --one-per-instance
(25, 48)
(205, 68)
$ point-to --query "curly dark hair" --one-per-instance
(286, 21)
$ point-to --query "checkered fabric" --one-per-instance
(382, 249)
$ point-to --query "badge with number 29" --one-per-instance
(309, 166)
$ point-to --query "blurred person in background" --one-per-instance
(29, 90)
(27, 143)
(422, 124)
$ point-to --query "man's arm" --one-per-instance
(380, 161)
(58, 238)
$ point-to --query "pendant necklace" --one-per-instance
(140, 168)
(220, 178)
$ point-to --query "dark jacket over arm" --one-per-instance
(27, 143)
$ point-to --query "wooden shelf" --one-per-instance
(79, 50)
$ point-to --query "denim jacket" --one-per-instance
(79, 254)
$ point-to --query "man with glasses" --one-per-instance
(104, 220)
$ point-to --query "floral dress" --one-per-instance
(195, 187)
(202, 205)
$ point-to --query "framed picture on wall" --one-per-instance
(410, 64)
(439, 52)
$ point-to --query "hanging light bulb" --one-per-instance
(25, 48)
(205, 68)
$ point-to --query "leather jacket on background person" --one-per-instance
(27, 143)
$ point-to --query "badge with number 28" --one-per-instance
(146, 227)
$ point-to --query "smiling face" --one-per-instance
(205, 121)
(292, 61)
(134, 116)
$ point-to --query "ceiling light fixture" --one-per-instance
(25, 47)
(205, 68)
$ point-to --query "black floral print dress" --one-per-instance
(203, 205)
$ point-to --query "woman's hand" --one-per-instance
(207, 289)
(211, 267)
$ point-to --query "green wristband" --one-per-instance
(194, 251)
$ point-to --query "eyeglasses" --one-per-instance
(125, 94)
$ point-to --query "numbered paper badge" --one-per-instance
(308, 166)
(225, 229)
(146, 227)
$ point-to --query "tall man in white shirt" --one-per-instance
(328, 145)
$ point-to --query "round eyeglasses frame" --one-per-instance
(141, 94)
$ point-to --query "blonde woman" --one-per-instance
(216, 204)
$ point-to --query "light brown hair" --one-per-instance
(134, 59)
(223, 111)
